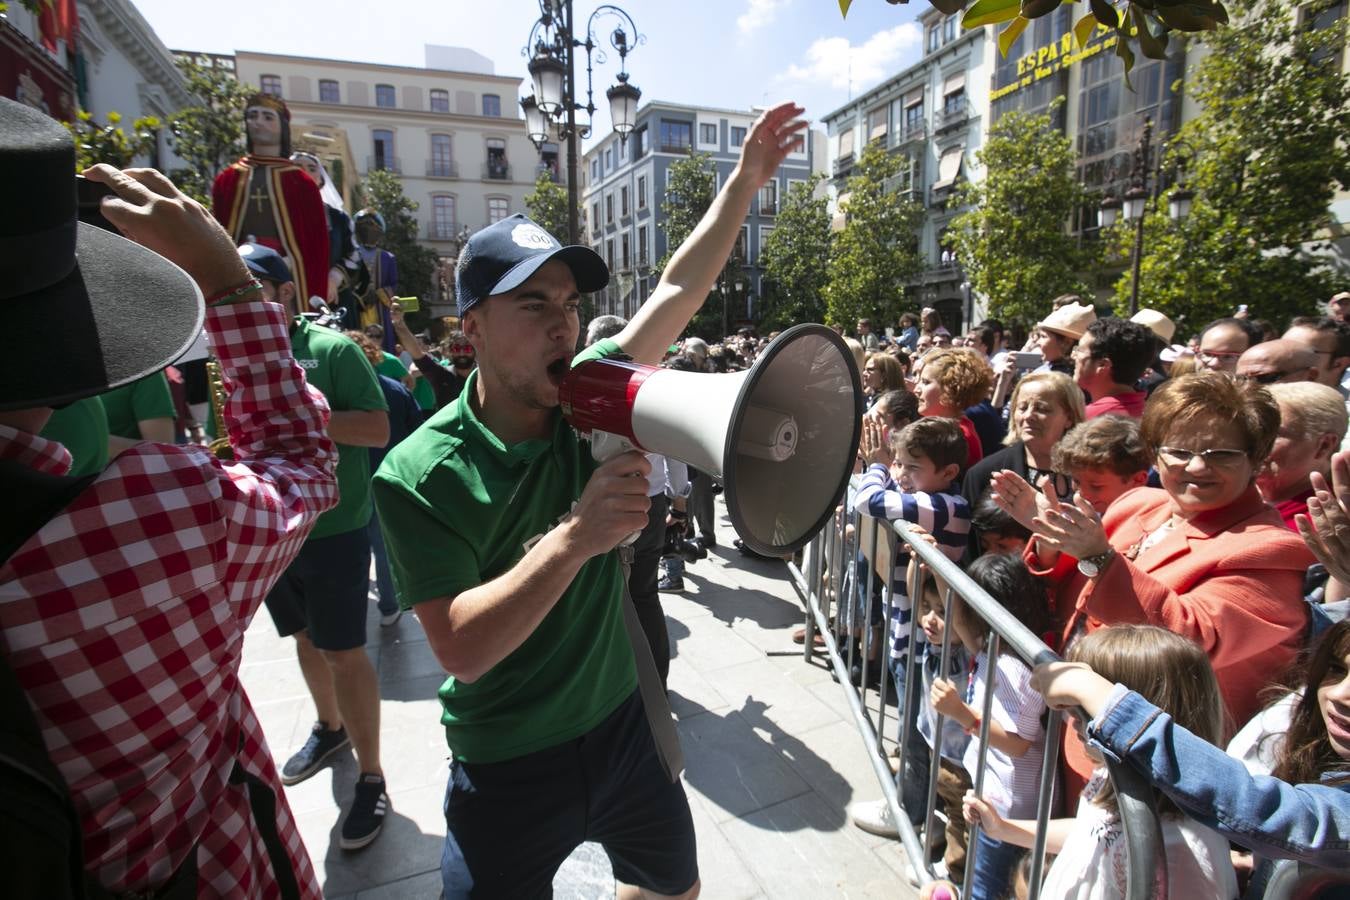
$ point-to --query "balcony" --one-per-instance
(442, 231)
(442, 168)
(951, 115)
(768, 207)
(915, 132)
(496, 171)
(387, 163)
(675, 148)
(550, 170)
(843, 166)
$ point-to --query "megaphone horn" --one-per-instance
(781, 435)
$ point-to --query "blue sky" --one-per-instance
(732, 54)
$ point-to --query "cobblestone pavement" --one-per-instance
(772, 756)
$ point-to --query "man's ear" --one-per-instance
(472, 326)
(286, 297)
(1327, 444)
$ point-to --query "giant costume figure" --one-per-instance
(264, 198)
(383, 269)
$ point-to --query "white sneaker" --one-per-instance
(387, 619)
(874, 817)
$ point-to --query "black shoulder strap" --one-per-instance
(34, 498)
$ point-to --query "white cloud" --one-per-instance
(829, 60)
(759, 13)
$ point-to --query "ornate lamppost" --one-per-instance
(553, 106)
(1146, 182)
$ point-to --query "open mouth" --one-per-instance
(557, 370)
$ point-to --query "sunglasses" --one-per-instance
(461, 349)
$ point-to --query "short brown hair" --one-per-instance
(892, 373)
(1212, 395)
(964, 375)
(936, 438)
(1106, 442)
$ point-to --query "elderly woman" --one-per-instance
(1312, 426)
(881, 373)
(1203, 556)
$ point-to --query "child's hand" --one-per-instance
(874, 446)
(1066, 684)
(947, 700)
(939, 890)
(978, 812)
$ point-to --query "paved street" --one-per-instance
(772, 755)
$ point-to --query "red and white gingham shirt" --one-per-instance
(124, 619)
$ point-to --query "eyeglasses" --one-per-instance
(1217, 355)
(1219, 458)
(1264, 377)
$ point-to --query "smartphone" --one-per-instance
(89, 197)
(409, 304)
(1027, 360)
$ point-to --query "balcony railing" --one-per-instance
(915, 132)
(550, 171)
(442, 231)
(496, 171)
(843, 165)
(768, 207)
(388, 163)
(675, 148)
(442, 168)
(951, 115)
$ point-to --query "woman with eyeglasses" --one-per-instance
(881, 374)
(1204, 555)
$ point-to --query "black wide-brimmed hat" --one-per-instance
(84, 309)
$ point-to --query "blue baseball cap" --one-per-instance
(503, 256)
(264, 262)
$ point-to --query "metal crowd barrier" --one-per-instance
(1293, 880)
(826, 580)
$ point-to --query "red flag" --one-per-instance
(58, 21)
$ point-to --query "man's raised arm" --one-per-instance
(694, 267)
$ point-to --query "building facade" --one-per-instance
(454, 137)
(624, 184)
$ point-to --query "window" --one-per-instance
(384, 96)
(768, 198)
(934, 37)
(595, 169)
(497, 169)
(270, 84)
(737, 135)
(609, 253)
(949, 29)
(328, 91)
(442, 217)
(625, 262)
(846, 143)
(609, 209)
(791, 184)
(707, 133)
(914, 114)
(877, 122)
(384, 149)
(498, 209)
(442, 157)
(643, 143)
(676, 137)
(440, 100)
(595, 217)
(642, 192)
(609, 158)
(739, 251)
(492, 105)
(642, 247)
(623, 200)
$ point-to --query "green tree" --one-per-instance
(1013, 241)
(210, 135)
(1269, 154)
(795, 256)
(383, 191)
(547, 205)
(876, 254)
(691, 185)
(109, 143)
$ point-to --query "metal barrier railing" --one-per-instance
(1294, 880)
(825, 579)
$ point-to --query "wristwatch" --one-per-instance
(1092, 566)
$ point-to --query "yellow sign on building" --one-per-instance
(1051, 58)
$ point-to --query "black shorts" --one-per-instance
(510, 825)
(326, 591)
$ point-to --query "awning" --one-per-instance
(846, 142)
(949, 167)
(954, 84)
(913, 97)
(840, 217)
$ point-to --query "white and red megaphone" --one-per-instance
(781, 435)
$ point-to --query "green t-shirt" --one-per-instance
(335, 365)
(424, 393)
(82, 427)
(459, 508)
(147, 398)
(392, 367)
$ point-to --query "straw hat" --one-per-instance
(1157, 323)
(1070, 320)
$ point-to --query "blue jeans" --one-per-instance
(994, 864)
(384, 580)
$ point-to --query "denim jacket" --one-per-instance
(1305, 822)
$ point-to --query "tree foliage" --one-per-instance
(547, 205)
(109, 143)
(383, 191)
(795, 256)
(690, 187)
(876, 254)
(1013, 241)
(210, 135)
(1269, 154)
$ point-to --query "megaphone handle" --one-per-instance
(604, 447)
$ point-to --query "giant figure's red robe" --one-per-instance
(276, 202)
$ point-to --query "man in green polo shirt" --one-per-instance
(141, 411)
(501, 532)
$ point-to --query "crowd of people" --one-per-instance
(1163, 525)
(1181, 537)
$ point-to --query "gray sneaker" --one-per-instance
(310, 758)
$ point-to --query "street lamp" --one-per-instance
(1145, 182)
(551, 49)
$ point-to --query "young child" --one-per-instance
(998, 532)
(1016, 729)
(951, 381)
(1174, 674)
